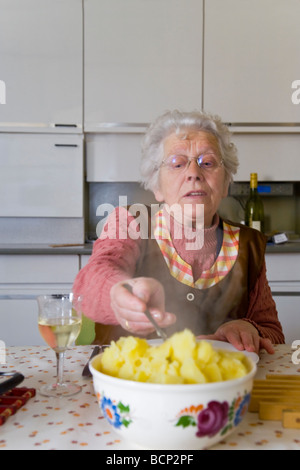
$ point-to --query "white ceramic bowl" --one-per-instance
(180, 417)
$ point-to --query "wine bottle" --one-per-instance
(254, 210)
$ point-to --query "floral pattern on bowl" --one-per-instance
(117, 415)
(215, 417)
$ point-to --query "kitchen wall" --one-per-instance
(282, 213)
(114, 194)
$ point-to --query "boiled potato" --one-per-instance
(191, 373)
(112, 360)
(232, 367)
(205, 352)
(212, 372)
(183, 345)
(178, 360)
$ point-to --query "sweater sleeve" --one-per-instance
(262, 312)
(113, 259)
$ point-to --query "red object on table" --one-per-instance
(12, 401)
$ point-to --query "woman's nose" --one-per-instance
(194, 171)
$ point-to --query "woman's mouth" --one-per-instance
(195, 194)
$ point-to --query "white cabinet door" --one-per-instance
(19, 322)
(251, 59)
(283, 273)
(141, 58)
(41, 65)
(51, 271)
(283, 267)
(113, 157)
(288, 308)
(22, 279)
(84, 259)
(41, 175)
(275, 157)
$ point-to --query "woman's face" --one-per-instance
(192, 186)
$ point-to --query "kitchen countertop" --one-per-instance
(289, 247)
(44, 249)
(86, 249)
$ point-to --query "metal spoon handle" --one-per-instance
(158, 329)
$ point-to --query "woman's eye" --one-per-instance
(178, 162)
(208, 164)
(178, 165)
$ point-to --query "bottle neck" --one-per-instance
(253, 183)
(253, 190)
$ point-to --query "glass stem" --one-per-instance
(60, 356)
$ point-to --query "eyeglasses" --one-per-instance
(208, 162)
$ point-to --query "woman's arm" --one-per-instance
(113, 260)
(262, 312)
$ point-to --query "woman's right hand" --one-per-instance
(129, 307)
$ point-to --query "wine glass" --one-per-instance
(59, 322)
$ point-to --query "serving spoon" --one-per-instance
(160, 332)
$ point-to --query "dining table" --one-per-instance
(76, 423)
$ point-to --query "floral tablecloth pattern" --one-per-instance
(76, 422)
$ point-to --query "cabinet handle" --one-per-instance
(66, 145)
(65, 125)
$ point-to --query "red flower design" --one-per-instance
(212, 419)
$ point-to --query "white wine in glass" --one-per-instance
(59, 324)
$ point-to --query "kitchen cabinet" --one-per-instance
(84, 259)
(251, 59)
(41, 64)
(283, 273)
(141, 58)
(113, 157)
(275, 157)
(41, 175)
(22, 279)
(288, 307)
(19, 321)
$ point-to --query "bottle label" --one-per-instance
(256, 224)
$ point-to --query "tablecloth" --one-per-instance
(75, 423)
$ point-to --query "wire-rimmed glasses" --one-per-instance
(208, 162)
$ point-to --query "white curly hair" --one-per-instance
(178, 122)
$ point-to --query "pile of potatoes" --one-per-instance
(181, 359)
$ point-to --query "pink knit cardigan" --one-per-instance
(114, 259)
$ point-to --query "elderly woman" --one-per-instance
(194, 270)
